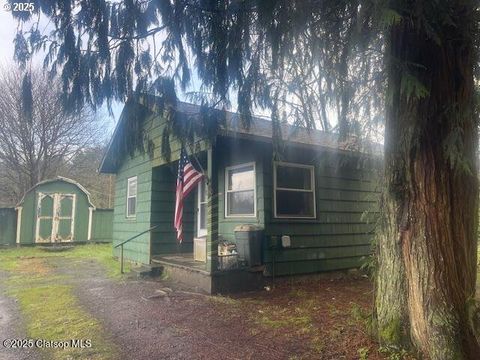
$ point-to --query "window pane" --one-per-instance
(203, 216)
(66, 205)
(131, 204)
(295, 204)
(46, 206)
(240, 203)
(241, 178)
(132, 187)
(292, 177)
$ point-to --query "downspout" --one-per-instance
(19, 223)
(90, 216)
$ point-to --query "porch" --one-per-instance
(183, 269)
(177, 259)
(205, 217)
(182, 261)
(164, 246)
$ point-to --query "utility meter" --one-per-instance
(286, 241)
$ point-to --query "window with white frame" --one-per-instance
(240, 190)
(132, 196)
(294, 188)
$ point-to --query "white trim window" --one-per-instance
(240, 191)
(294, 191)
(131, 197)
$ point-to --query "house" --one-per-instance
(316, 202)
(60, 210)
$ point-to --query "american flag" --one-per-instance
(187, 178)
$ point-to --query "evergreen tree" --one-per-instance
(425, 51)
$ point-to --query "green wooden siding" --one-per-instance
(155, 200)
(8, 228)
(137, 250)
(338, 238)
(29, 210)
(346, 202)
(102, 225)
(347, 194)
(231, 152)
(154, 126)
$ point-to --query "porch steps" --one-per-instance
(219, 282)
(145, 271)
(196, 279)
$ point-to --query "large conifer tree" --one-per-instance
(425, 51)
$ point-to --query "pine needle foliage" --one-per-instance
(298, 58)
(322, 54)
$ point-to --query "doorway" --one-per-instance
(202, 209)
(55, 217)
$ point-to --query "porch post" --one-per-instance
(212, 206)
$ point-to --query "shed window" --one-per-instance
(240, 190)
(132, 196)
(294, 186)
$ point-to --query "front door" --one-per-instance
(202, 209)
(55, 217)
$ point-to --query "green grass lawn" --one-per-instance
(10, 258)
(47, 302)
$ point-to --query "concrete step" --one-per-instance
(219, 282)
(145, 271)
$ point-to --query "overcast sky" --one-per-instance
(8, 27)
(7, 31)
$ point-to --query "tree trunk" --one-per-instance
(427, 248)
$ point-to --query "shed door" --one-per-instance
(55, 217)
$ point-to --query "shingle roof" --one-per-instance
(261, 128)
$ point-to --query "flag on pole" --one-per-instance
(187, 178)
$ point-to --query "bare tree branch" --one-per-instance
(31, 151)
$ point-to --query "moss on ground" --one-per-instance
(296, 320)
(225, 300)
(52, 313)
(48, 305)
(13, 259)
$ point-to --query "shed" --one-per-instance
(55, 210)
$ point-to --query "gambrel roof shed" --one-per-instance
(55, 210)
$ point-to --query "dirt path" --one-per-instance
(149, 320)
(11, 327)
(160, 320)
(316, 317)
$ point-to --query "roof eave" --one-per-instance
(106, 167)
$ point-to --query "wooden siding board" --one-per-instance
(347, 210)
(346, 200)
(102, 225)
(332, 252)
(137, 250)
(304, 267)
(230, 156)
(8, 226)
